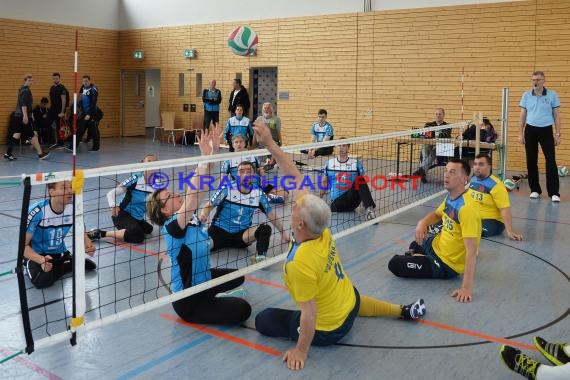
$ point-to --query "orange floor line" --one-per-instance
(219, 334)
(477, 335)
(265, 282)
(435, 324)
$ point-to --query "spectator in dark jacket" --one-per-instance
(239, 95)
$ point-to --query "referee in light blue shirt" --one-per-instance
(540, 109)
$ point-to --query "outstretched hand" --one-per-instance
(262, 134)
(204, 143)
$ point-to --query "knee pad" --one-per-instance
(262, 230)
(395, 264)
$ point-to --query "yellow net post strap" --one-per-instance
(77, 182)
(77, 322)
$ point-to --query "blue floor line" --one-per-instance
(169, 355)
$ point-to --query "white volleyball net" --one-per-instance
(131, 278)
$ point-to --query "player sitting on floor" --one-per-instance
(491, 194)
(339, 172)
(454, 250)
(229, 167)
(236, 204)
(49, 222)
(128, 217)
(188, 246)
(315, 278)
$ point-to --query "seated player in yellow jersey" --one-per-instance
(454, 250)
(494, 205)
(315, 277)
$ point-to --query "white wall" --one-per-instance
(382, 5)
(101, 14)
(140, 14)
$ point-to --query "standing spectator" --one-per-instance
(322, 130)
(273, 122)
(238, 125)
(428, 156)
(43, 126)
(22, 125)
(212, 97)
(59, 100)
(540, 108)
(88, 104)
(239, 95)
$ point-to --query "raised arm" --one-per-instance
(287, 166)
(193, 192)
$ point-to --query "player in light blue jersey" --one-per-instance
(128, 216)
(232, 222)
(188, 247)
(229, 167)
(238, 125)
(321, 131)
(346, 192)
(49, 222)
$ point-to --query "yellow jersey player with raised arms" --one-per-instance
(315, 277)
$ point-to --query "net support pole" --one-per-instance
(504, 125)
(20, 267)
(78, 319)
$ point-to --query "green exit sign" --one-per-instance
(138, 54)
(190, 53)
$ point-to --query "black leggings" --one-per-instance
(135, 230)
(352, 198)
(205, 307)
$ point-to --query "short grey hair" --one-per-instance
(315, 213)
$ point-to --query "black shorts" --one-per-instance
(18, 126)
(223, 238)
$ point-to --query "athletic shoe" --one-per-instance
(258, 259)
(92, 150)
(237, 292)
(519, 362)
(555, 198)
(94, 234)
(554, 352)
(534, 195)
(9, 157)
(90, 265)
(414, 310)
(43, 155)
(370, 213)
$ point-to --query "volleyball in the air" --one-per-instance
(562, 171)
(243, 41)
(510, 184)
